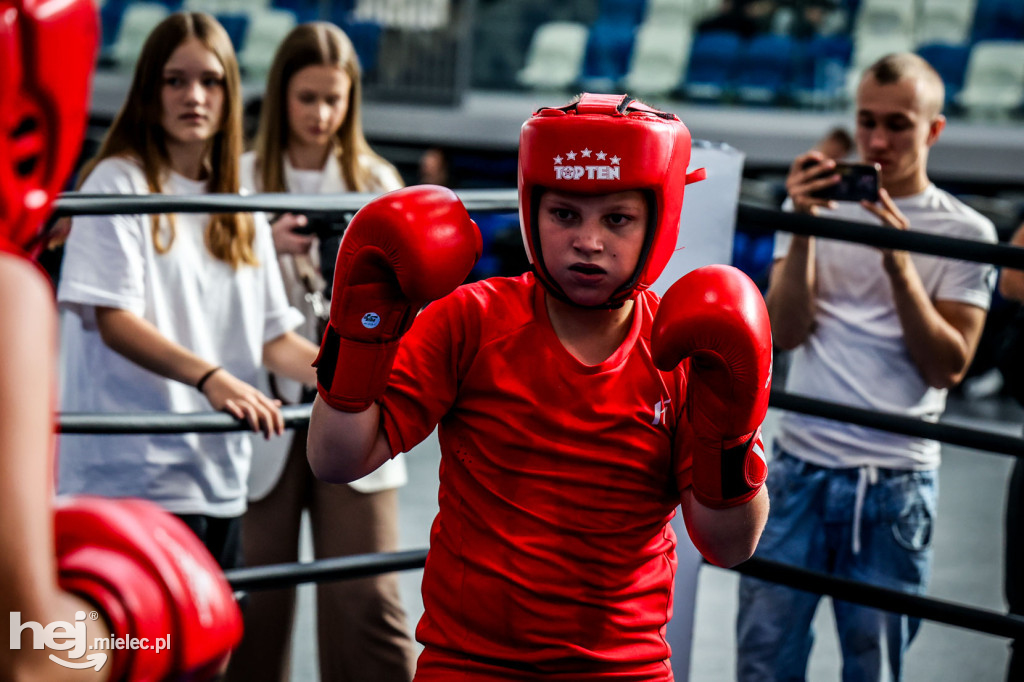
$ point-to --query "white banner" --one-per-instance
(708, 220)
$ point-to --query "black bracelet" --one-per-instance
(202, 379)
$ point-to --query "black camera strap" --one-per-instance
(320, 306)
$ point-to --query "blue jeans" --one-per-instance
(812, 525)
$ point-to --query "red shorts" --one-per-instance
(437, 665)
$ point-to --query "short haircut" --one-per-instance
(898, 66)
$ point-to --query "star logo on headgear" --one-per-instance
(600, 168)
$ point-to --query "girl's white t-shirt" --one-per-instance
(222, 314)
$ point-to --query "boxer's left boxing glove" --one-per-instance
(716, 317)
(152, 578)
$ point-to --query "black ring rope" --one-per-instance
(771, 220)
(755, 217)
(297, 416)
(894, 423)
(75, 203)
(323, 570)
(266, 577)
(917, 606)
(894, 601)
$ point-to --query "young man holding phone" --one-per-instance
(872, 328)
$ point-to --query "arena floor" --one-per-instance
(967, 568)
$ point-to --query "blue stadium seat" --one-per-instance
(713, 58)
(110, 21)
(607, 57)
(951, 63)
(471, 170)
(236, 25)
(111, 13)
(496, 230)
(763, 68)
(365, 37)
(998, 20)
(819, 72)
(753, 254)
(304, 10)
(626, 12)
(341, 12)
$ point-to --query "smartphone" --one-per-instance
(309, 228)
(857, 181)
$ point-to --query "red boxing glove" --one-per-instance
(401, 251)
(716, 317)
(152, 578)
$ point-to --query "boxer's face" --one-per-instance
(317, 104)
(192, 96)
(591, 244)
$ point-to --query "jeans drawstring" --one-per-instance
(866, 475)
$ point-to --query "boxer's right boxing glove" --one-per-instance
(154, 581)
(401, 251)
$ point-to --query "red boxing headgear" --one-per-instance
(47, 51)
(599, 145)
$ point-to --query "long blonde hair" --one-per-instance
(313, 44)
(137, 132)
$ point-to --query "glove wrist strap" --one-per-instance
(352, 375)
(729, 473)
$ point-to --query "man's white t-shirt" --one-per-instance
(856, 354)
(222, 314)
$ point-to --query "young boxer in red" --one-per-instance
(574, 409)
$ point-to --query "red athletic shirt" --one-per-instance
(551, 551)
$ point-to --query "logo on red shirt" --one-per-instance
(660, 410)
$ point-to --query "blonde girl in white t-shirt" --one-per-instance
(310, 141)
(175, 313)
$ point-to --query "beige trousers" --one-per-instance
(361, 625)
